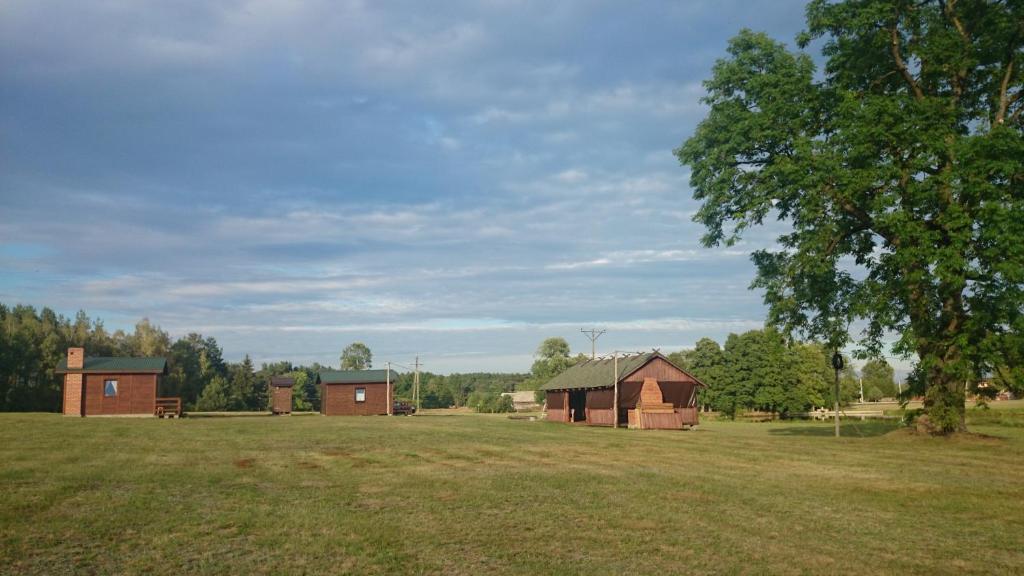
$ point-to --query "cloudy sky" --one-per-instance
(457, 181)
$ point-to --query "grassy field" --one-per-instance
(473, 494)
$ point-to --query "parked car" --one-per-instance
(402, 408)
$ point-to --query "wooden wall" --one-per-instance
(661, 371)
(600, 417)
(660, 421)
(340, 400)
(136, 394)
(282, 400)
(558, 406)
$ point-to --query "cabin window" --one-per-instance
(110, 387)
(360, 394)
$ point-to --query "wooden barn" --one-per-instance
(113, 386)
(281, 394)
(356, 392)
(644, 391)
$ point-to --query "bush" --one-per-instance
(874, 394)
(491, 402)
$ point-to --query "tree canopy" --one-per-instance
(899, 171)
(760, 370)
(551, 359)
(356, 356)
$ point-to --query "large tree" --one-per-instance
(877, 373)
(551, 359)
(900, 170)
(356, 356)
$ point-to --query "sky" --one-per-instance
(454, 180)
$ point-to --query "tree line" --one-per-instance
(33, 342)
(760, 370)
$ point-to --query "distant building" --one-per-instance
(281, 394)
(356, 392)
(109, 386)
(523, 401)
(652, 393)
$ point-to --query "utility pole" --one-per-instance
(593, 334)
(416, 384)
(388, 379)
(614, 384)
(837, 363)
(615, 388)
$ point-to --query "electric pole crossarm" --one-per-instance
(593, 334)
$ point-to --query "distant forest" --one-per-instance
(759, 370)
(33, 342)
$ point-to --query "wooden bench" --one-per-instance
(168, 407)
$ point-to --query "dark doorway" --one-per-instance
(578, 405)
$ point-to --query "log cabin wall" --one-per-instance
(136, 394)
(340, 399)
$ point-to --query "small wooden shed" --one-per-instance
(281, 394)
(640, 391)
(356, 392)
(112, 385)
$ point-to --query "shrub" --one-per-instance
(491, 402)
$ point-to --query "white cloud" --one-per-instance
(571, 176)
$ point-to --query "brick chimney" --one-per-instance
(76, 358)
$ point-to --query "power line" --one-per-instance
(593, 334)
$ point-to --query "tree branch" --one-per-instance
(867, 223)
(834, 242)
(1016, 114)
(950, 9)
(1004, 101)
(901, 66)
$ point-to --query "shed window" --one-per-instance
(110, 387)
(360, 394)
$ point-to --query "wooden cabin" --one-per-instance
(281, 394)
(646, 390)
(112, 386)
(356, 392)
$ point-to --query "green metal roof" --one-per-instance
(356, 376)
(115, 364)
(600, 373)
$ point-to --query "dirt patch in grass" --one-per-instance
(245, 463)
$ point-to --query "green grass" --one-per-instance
(474, 494)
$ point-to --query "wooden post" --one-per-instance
(837, 364)
(836, 414)
(416, 385)
(388, 380)
(615, 390)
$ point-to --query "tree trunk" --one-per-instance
(944, 402)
